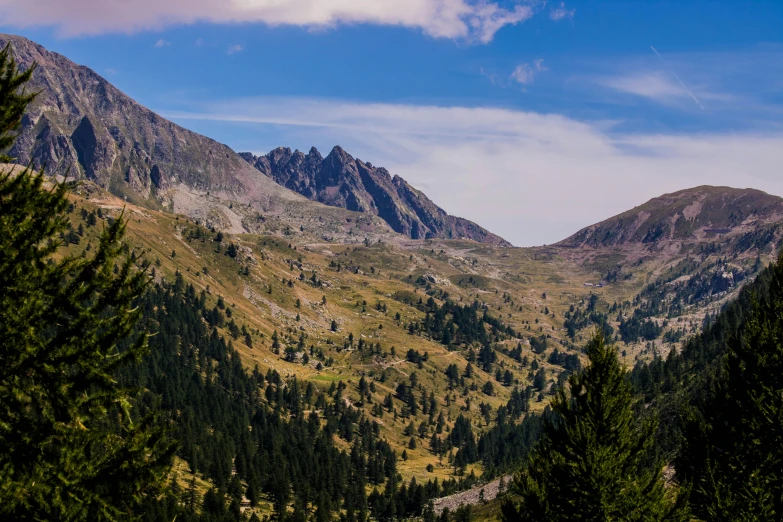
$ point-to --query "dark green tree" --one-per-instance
(13, 99)
(733, 445)
(69, 448)
(593, 461)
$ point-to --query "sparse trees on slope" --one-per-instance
(733, 445)
(592, 463)
(68, 448)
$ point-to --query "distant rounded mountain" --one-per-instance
(692, 215)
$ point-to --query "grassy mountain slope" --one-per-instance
(681, 256)
(172, 243)
(534, 291)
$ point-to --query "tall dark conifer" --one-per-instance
(68, 447)
(592, 462)
(733, 445)
(13, 99)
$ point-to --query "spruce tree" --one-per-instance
(69, 449)
(733, 439)
(592, 463)
(13, 99)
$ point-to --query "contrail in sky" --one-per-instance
(685, 87)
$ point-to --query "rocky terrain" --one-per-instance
(339, 180)
(82, 125)
(474, 495)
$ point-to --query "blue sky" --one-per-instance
(532, 118)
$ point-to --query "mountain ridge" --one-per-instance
(83, 125)
(340, 180)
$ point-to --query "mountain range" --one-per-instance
(83, 126)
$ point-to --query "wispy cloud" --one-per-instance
(654, 85)
(472, 20)
(679, 80)
(162, 43)
(493, 78)
(511, 170)
(662, 87)
(561, 12)
(526, 73)
(235, 49)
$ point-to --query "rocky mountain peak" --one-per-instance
(338, 155)
(341, 180)
(82, 125)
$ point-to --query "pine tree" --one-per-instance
(592, 461)
(69, 449)
(732, 446)
(13, 99)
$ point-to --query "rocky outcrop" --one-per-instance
(339, 180)
(473, 496)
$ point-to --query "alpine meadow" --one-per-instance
(194, 334)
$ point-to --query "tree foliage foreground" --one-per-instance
(594, 461)
(732, 449)
(69, 448)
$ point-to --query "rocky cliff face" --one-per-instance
(83, 126)
(339, 180)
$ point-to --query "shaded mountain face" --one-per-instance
(82, 125)
(339, 180)
(700, 214)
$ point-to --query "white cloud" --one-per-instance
(235, 49)
(532, 178)
(162, 43)
(476, 20)
(525, 73)
(663, 87)
(111, 71)
(649, 84)
(560, 12)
